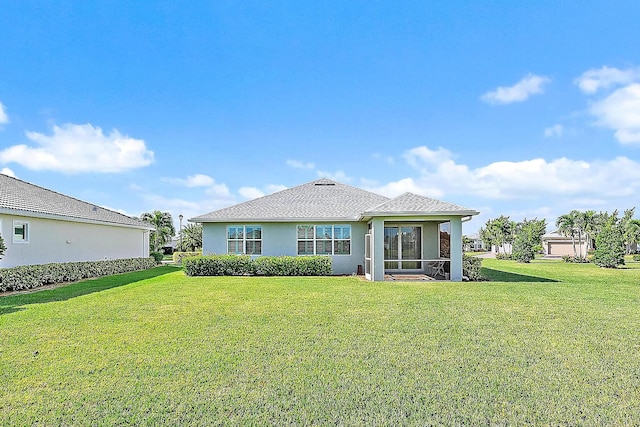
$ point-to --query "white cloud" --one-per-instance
(250, 192)
(554, 131)
(274, 188)
(334, 176)
(595, 79)
(8, 172)
(521, 91)
(79, 148)
(300, 165)
(620, 111)
(440, 176)
(197, 180)
(4, 118)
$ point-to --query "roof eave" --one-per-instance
(33, 214)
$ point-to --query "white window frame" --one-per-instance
(322, 240)
(26, 226)
(243, 239)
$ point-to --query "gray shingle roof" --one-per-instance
(409, 203)
(328, 200)
(17, 195)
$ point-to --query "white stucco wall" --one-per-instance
(281, 239)
(66, 241)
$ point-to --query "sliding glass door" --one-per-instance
(402, 247)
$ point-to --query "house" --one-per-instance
(40, 226)
(555, 244)
(360, 230)
(474, 243)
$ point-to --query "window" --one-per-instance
(20, 232)
(244, 239)
(324, 239)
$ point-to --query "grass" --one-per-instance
(543, 344)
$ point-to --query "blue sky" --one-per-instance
(527, 108)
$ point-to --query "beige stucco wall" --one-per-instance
(66, 241)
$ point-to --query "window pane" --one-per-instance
(254, 247)
(305, 232)
(305, 247)
(324, 232)
(19, 231)
(323, 248)
(342, 247)
(235, 232)
(253, 232)
(234, 247)
(342, 232)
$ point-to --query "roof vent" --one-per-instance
(324, 183)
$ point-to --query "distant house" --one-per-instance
(557, 245)
(41, 226)
(475, 243)
(360, 230)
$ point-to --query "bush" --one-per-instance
(293, 266)
(576, 259)
(471, 267)
(179, 256)
(636, 257)
(237, 265)
(504, 256)
(158, 256)
(610, 247)
(33, 276)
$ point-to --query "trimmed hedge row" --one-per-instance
(239, 265)
(471, 267)
(33, 276)
(179, 256)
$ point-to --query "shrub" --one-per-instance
(471, 267)
(32, 276)
(293, 266)
(179, 256)
(576, 259)
(158, 256)
(610, 247)
(504, 256)
(2, 247)
(236, 265)
(636, 257)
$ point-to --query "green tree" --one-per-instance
(3, 248)
(610, 244)
(191, 239)
(498, 232)
(528, 238)
(164, 229)
(567, 227)
(632, 233)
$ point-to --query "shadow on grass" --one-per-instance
(15, 302)
(505, 276)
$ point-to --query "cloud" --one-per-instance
(8, 172)
(79, 149)
(620, 111)
(300, 165)
(535, 179)
(521, 91)
(197, 180)
(4, 118)
(250, 192)
(595, 79)
(554, 131)
(335, 176)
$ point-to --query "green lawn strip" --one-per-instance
(558, 348)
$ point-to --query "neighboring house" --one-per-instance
(475, 243)
(360, 230)
(41, 226)
(557, 245)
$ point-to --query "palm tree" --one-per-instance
(164, 229)
(567, 227)
(191, 237)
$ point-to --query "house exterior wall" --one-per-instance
(52, 240)
(282, 239)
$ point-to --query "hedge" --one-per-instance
(33, 276)
(471, 267)
(238, 265)
(179, 256)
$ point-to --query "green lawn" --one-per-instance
(548, 344)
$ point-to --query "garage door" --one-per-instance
(560, 248)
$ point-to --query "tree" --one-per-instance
(191, 239)
(164, 229)
(498, 232)
(610, 245)
(632, 233)
(528, 237)
(2, 247)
